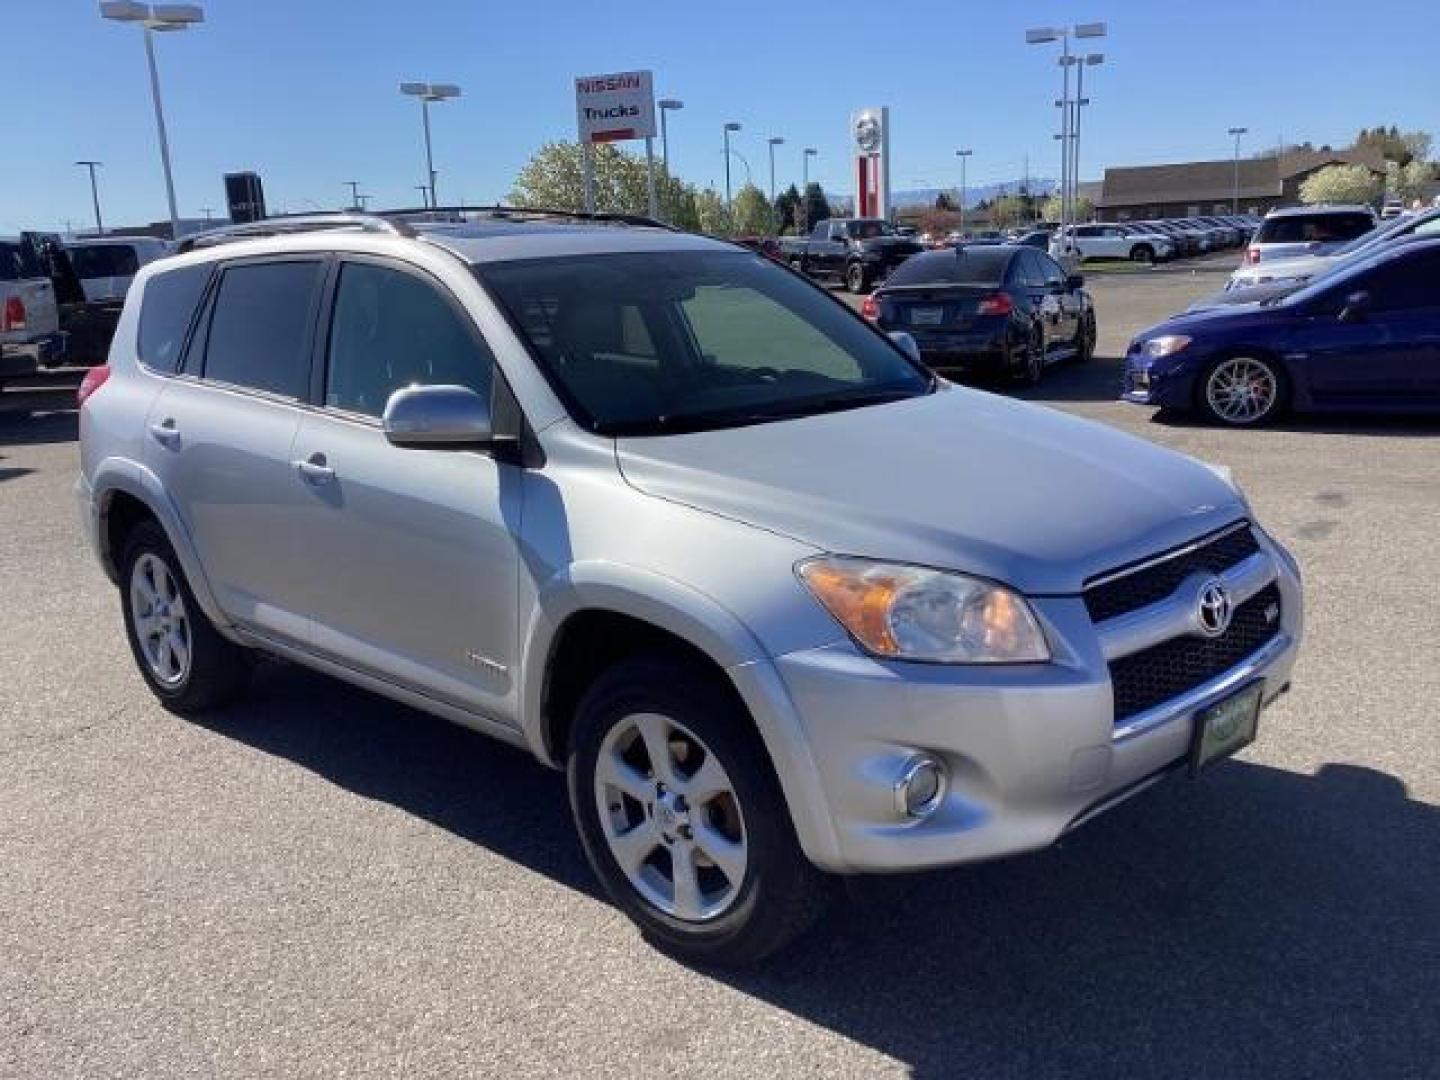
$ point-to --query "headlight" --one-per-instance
(913, 613)
(1165, 345)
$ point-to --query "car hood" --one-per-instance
(957, 479)
(1246, 297)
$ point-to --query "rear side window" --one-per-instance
(393, 329)
(1404, 283)
(103, 260)
(165, 315)
(1313, 228)
(260, 327)
(963, 266)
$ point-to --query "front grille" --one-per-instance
(1152, 583)
(1153, 676)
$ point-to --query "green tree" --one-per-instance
(945, 201)
(710, 211)
(788, 209)
(752, 212)
(815, 207)
(1050, 209)
(1341, 184)
(553, 178)
(1395, 145)
(1413, 181)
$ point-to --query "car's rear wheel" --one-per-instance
(183, 659)
(1142, 253)
(682, 818)
(856, 279)
(1029, 362)
(1242, 391)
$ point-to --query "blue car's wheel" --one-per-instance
(1242, 391)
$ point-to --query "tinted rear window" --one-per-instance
(963, 266)
(165, 314)
(1314, 228)
(103, 260)
(260, 330)
(17, 262)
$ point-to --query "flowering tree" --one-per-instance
(1341, 184)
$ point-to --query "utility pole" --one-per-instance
(354, 193)
(94, 193)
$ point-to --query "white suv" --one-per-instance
(1120, 242)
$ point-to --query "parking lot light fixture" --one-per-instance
(1235, 181)
(428, 92)
(773, 141)
(155, 18)
(667, 105)
(729, 127)
(963, 155)
(94, 193)
(1043, 35)
(1091, 60)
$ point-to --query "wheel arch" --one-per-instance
(597, 615)
(125, 493)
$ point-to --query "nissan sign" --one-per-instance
(609, 108)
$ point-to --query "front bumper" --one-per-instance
(1167, 384)
(1030, 750)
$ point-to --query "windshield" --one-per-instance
(866, 230)
(662, 342)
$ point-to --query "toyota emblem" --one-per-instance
(1212, 609)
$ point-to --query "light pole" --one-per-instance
(666, 105)
(808, 153)
(354, 186)
(157, 18)
(963, 155)
(209, 213)
(774, 141)
(729, 127)
(94, 193)
(1090, 60)
(1235, 182)
(428, 92)
(425, 195)
(1063, 34)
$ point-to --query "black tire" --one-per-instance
(1142, 253)
(782, 893)
(856, 278)
(1273, 371)
(1028, 364)
(1085, 339)
(218, 670)
(798, 265)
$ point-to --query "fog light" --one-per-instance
(920, 787)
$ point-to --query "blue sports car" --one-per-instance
(1365, 337)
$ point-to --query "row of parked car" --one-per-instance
(1137, 241)
(60, 300)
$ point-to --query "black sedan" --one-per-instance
(995, 310)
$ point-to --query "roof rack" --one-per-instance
(436, 214)
(283, 224)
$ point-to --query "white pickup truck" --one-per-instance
(30, 336)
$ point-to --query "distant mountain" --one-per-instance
(975, 193)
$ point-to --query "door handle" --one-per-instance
(315, 470)
(166, 433)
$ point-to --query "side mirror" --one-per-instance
(1075, 281)
(437, 416)
(906, 344)
(1356, 305)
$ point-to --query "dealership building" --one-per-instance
(1144, 192)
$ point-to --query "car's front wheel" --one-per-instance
(682, 818)
(1242, 391)
(183, 658)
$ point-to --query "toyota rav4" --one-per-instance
(781, 603)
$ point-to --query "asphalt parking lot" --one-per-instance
(321, 883)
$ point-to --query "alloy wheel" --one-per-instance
(1242, 390)
(161, 622)
(671, 817)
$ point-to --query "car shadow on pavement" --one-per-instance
(21, 427)
(1390, 425)
(1255, 923)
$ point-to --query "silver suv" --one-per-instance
(782, 604)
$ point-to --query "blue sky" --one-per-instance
(305, 91)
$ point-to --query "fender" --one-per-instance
(705, 623)
(115, 474)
